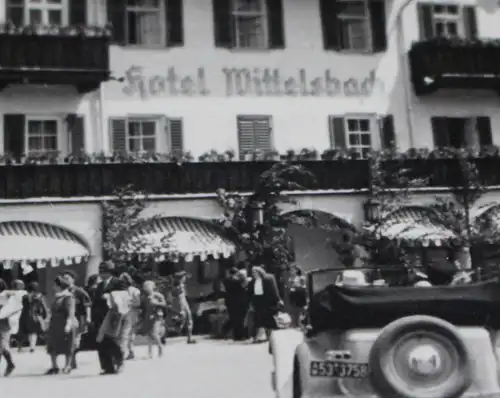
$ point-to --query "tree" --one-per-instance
(264, 242)
(122, 243)
(455, 211)
(391, 185)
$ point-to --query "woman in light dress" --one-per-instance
(153, 313)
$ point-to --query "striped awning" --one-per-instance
(183, 236)
(415, 225)
(31, 241)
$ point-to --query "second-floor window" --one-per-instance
(145, 22)
(354, 25)
(447, 21)
(45, 12)
(141, 135)
(254, 134)
(148, 134)
(42, 136)
(248, 24)
(361, 133)
(461, 132)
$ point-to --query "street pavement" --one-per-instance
(209, 369)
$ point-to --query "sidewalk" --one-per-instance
(209, 369)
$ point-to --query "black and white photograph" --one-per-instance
(250, 198)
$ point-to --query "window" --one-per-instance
(146, 134)
(45, 12)
(359, 136)
(145, 22)
(141, 135)
(250, 25)
(447, 21)
(354, 25)
(254, 134)
(460, 132)
(42, 136)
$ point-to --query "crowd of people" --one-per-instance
(254, 304)
(110, 307)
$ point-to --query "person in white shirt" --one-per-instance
(265, 301)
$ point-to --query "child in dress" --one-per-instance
(154, 307)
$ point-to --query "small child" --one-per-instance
(154, 306)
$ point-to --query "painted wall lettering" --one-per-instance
(271, 82)
(171, 84)
(248, 82)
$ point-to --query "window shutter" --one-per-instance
(223, 24)
(387, 134)
(330, 26)
(15, 12)
(77, 12)
(276, 26)
(439, 132)
(13, 134)
(118, 130)
(175, 23)
(470, 22)
(77, 131)
(425, 21)
(483, 125)
(176, 136)
(378, 25)
(262, 134)
(246, 135)
(337, 132)
(116, 16)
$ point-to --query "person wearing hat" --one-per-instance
(181, 304)
(33, 316)
(83, 306)
(107, 349)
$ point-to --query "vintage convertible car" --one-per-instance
(391, 342)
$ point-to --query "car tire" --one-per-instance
(451, 375)
(297, 382)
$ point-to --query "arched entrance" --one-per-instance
(313, 233)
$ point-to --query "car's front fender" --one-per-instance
(283, 345)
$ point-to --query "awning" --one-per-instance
(31, 241)
(186, 237)
(415, 225)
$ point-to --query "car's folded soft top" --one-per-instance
(372, 307)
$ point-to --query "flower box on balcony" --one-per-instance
(48, 55)
(454, 63)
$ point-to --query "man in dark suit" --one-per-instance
(265, 301)
(109, 351)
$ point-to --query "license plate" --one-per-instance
(341, 370)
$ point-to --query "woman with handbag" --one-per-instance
(34, 314)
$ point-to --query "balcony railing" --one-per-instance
(69, 59)
(79, 180)
(454, 63)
